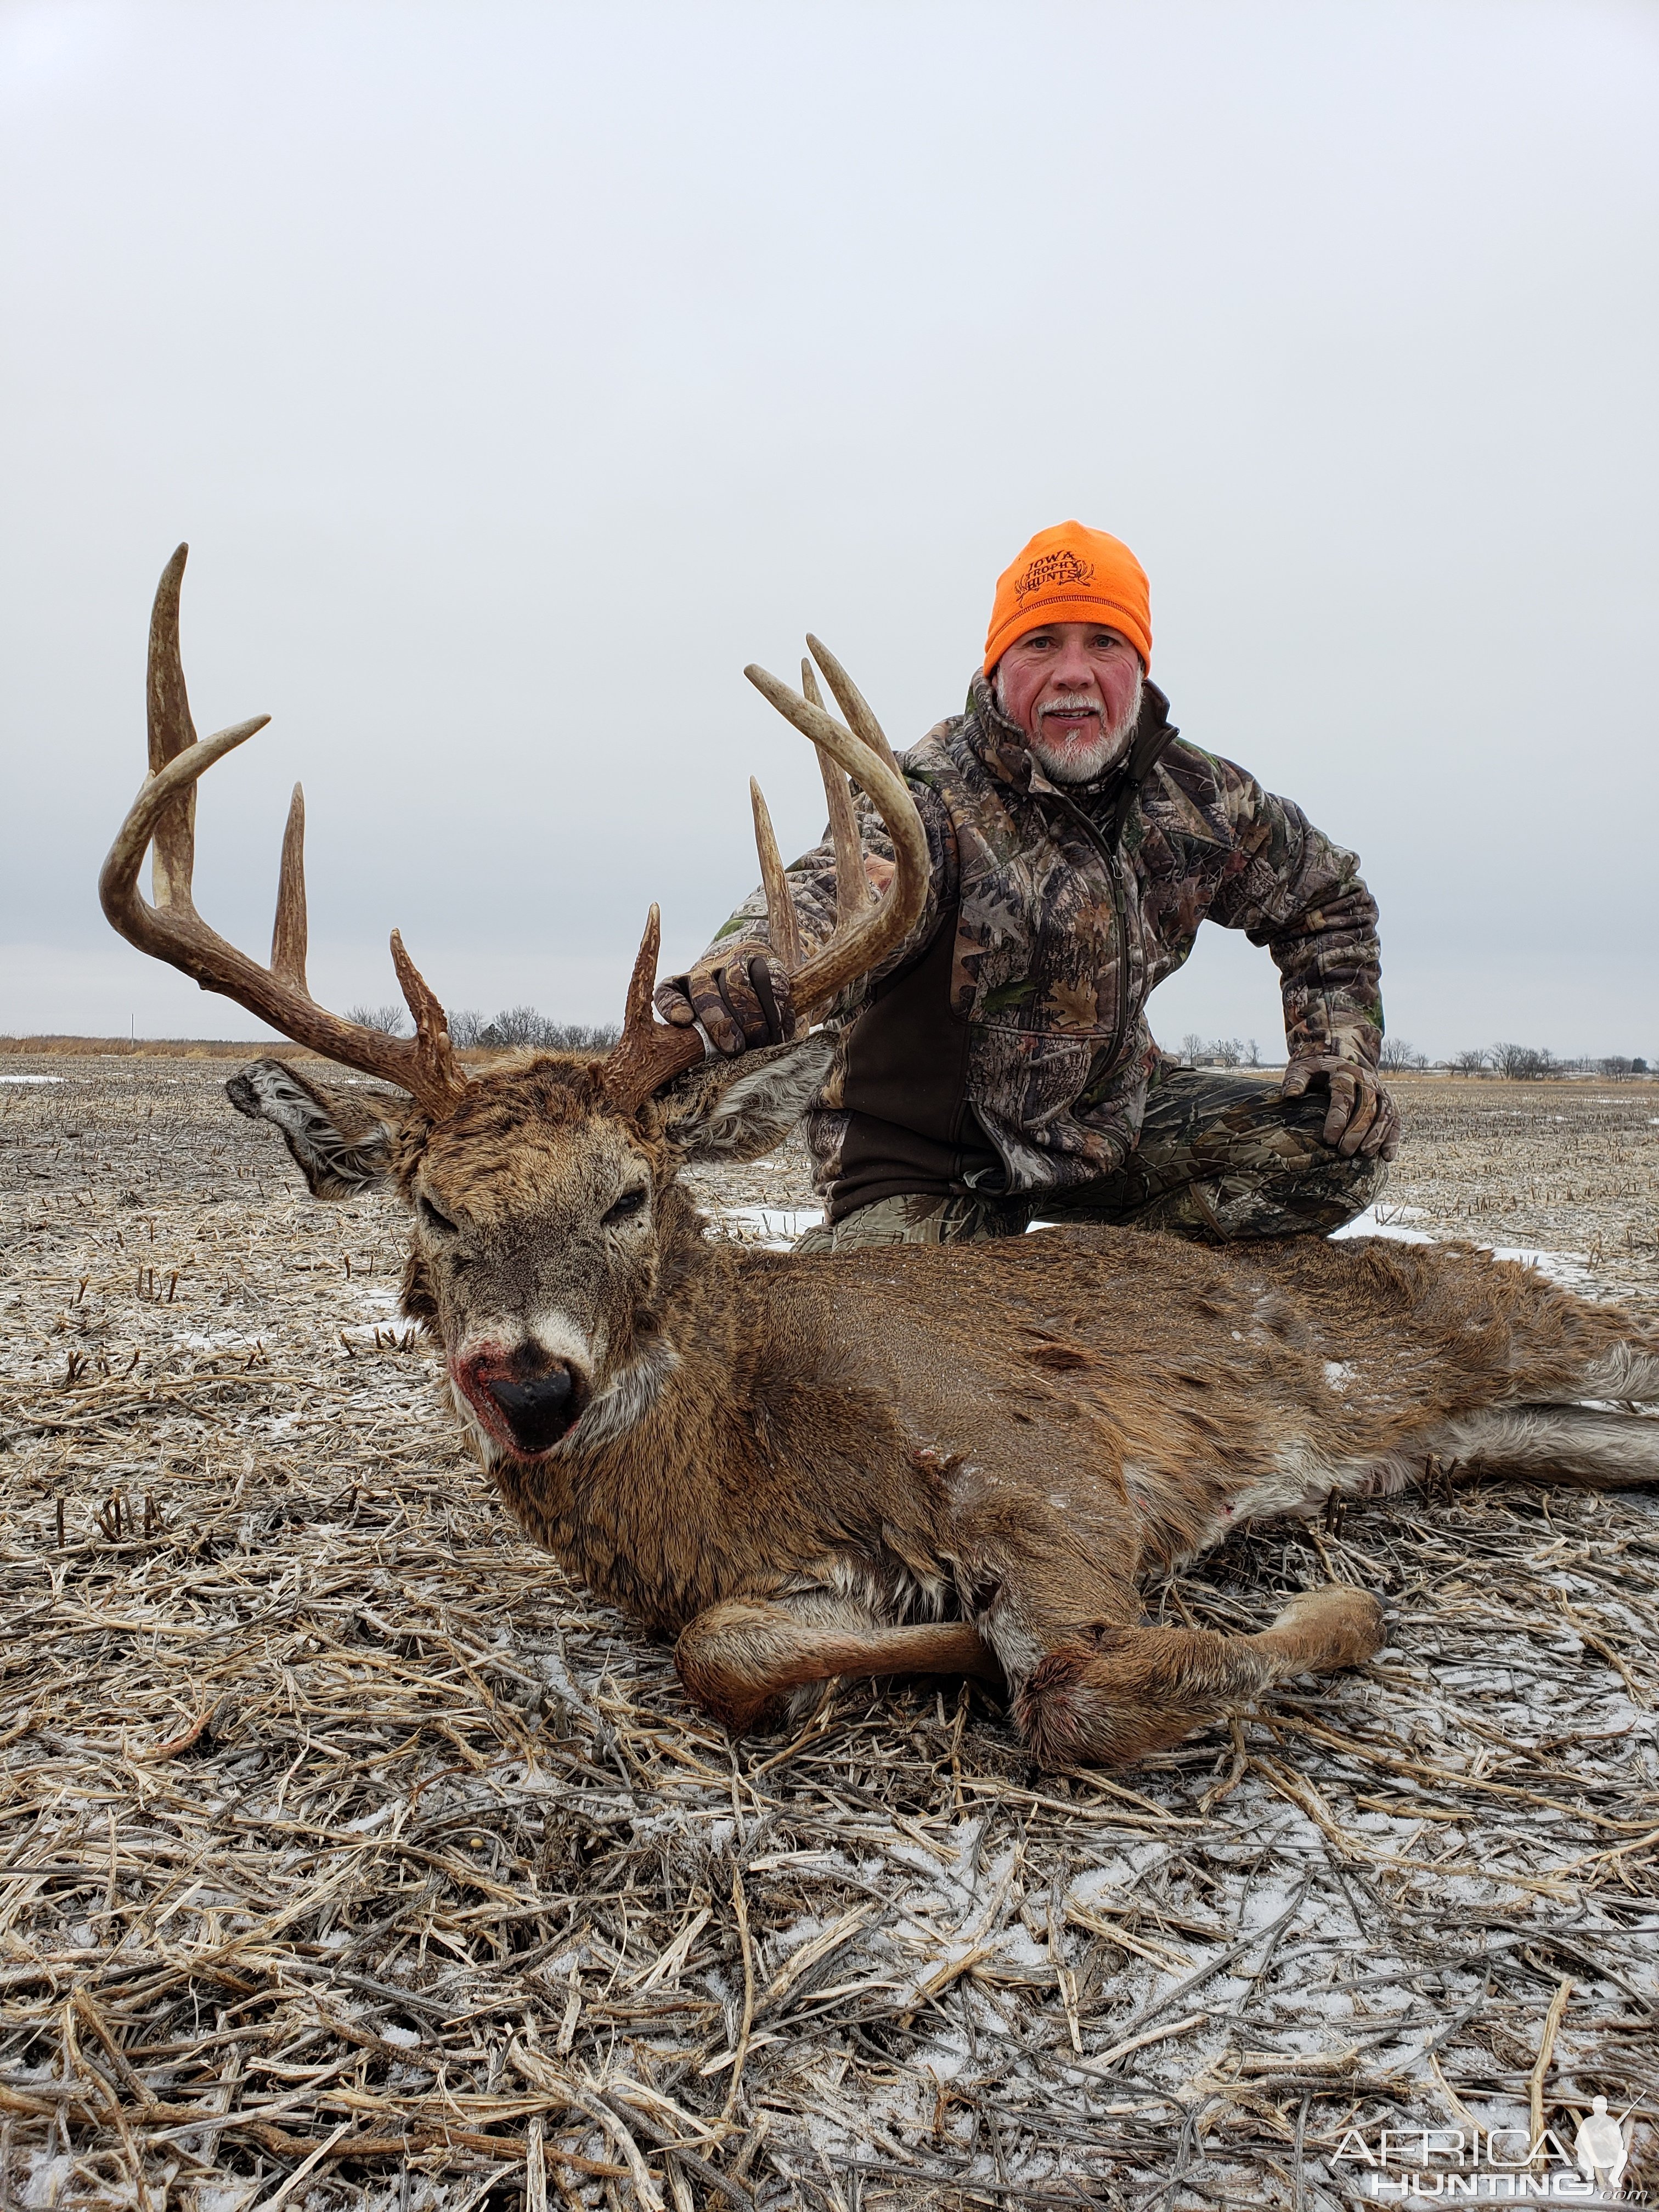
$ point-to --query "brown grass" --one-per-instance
(239, 1050)
(91, 1047)
(349, 1857)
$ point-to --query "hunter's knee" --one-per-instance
(1313, 1184)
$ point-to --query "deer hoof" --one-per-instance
(1336, 1625)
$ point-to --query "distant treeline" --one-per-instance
(1514, 1063)
(515, 1029)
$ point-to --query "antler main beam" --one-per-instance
(162, 818)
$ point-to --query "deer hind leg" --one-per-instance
(1630, 1370)
(743, 1662)
(1105, 1696)
(1570, 1443)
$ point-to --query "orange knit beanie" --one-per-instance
(1069, 573)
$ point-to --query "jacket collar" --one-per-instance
(1001, 748)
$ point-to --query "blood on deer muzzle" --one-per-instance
(528, 1398)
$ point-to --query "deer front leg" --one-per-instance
(1104, 1696)
(741, 1660)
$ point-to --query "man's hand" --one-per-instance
(738, 993)
(1362, 1117)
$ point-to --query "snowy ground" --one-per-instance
(352, 1858)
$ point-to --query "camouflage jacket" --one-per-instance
(1004, 1046)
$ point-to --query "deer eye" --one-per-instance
(430, 1215)
(629, 1203)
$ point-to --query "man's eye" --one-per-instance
(629, 1202)
(430, 1215)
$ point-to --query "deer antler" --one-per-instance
(650, 1053)
(853, 890)
(164, 815)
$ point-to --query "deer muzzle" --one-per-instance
(528, 1400)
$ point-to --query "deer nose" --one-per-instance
(539, 1412)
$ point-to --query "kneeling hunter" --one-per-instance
(997, 1068)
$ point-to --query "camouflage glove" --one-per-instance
(738, 993)
(1363, 1118)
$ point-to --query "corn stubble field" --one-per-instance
(351, 1856)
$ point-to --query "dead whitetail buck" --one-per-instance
(950, 1460)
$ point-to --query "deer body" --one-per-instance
(908, 1423)
(948, 1458)
(957, 1458)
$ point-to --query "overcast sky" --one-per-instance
(517, 373)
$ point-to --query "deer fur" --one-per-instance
(956, 1459)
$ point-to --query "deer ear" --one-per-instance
(735, 1110)
(343, 1144)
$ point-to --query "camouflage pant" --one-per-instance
(1220, 1157)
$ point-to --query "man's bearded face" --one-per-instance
(1075, 691)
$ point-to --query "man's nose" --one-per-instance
(1073, 671)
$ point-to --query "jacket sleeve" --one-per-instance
(1293, 891)
(812, 888)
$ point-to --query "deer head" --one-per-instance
(550, 1238)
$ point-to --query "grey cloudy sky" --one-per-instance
(519, 373)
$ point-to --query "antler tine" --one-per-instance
(170, 733)
(117, 885)
(782, 923)
(434, 1076)
(171, 930)
(853, 894)
(642, 983)
(288, 932)
(851, 701)
(856, 946)
(649, 1052)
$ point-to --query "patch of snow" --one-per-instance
(777, 1227)
(1338, 1373)
(550, 1666)
(31, 1079)
(1566, 1268)
(1369, 1224)
(47, 2177)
